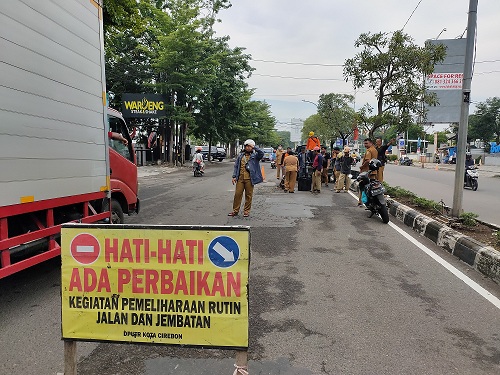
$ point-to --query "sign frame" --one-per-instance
(100, 231)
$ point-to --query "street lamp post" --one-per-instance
(442, 31)
(307, 101)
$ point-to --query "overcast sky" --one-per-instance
(324, 31)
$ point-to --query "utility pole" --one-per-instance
(464, 115)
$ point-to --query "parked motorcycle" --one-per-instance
(405, 161)
(197, 170)
(471, 176)
(372, 191)
(273, 164)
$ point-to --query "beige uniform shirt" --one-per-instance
(291, 163)
(244, 174)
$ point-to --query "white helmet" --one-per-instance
(250, 142)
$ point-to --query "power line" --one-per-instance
(304, 78)
(411, 15)
(298, 63)
(341, 65)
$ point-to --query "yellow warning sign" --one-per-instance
(156, 284)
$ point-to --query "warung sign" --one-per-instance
(143, 105)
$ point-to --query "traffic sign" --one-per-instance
(223, 252)
(85, 248)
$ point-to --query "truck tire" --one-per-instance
(116, 212)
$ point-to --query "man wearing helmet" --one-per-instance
(469, 162)
(312, 141)
(246, 174)
(198, 159)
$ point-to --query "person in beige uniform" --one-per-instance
(371, 153)
(279, 154)
(291, 164)
(246, 174)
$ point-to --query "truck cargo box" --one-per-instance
(53, 135)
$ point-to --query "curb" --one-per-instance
(484, 259)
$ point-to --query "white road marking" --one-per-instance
(466, 279)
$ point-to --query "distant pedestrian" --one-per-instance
(326, 166)
(246, 174)
(279, 153)
(381, 151)
(291, 164)
(283, 156)
(345, 161)
(317, 168)
(336, 165)
(303, 162)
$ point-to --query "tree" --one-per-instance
(315, 123)
(338, 115)
(485, 123)
(394, 67)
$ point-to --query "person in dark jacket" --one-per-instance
(381, 150)
(303, 162)
(246, 174)
(345, 162)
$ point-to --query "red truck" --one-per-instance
(59, 162)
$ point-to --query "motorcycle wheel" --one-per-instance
(384, 213)
(474, 185)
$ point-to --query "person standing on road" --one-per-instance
(371, 153)
(279, 153)
(291, 164)
(303, 162)
(246, 174)
(326, 166)
(345, 162)
(381, 150)
(317, 168)
(336, 165)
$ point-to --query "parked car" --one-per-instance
(221, 153)
(268, 151)
(216, 152)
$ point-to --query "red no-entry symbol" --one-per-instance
(85, 248)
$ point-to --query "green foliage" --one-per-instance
(170, 47)
(283, 139)
(315, 123)
(485, 123)
(337, 115)
(392, 66)
(392, 157)
(468, 219)
(398, 191)
(497, 237)
(426, 203)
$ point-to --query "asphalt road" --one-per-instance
(437, 185)
(331, 292)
